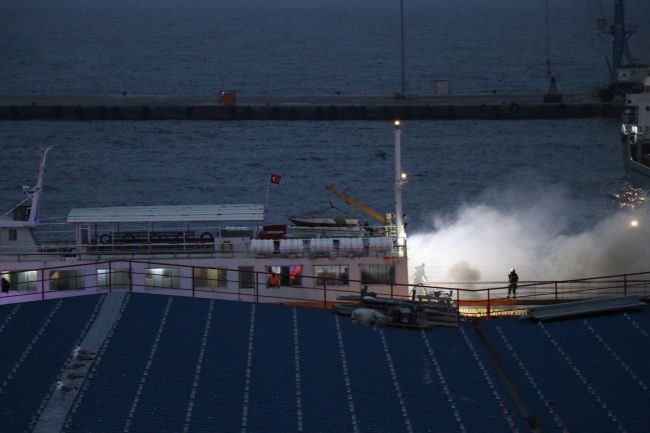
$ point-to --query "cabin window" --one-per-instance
(21, 281)
(114, 279)
(332, 275)
(162, 278)
(284, 276)
(204, 277)
(246, 277)
(378, 274)
(13, 235)
(67, 279)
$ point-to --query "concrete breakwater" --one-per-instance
(336, 107)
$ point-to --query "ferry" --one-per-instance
(636, 136)
(220, 251)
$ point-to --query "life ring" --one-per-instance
(146, 247)
(514, 108)
(226, 245)
(128, 238)
(206, 236)
(105, 238)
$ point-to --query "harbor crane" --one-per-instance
(625, 71)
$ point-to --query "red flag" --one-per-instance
(275, 178)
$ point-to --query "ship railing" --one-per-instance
(62, 248)
(292, 286)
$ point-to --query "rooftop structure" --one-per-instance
(173, 364)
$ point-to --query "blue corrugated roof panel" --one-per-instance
(569, 375)
(173, 364)
(35, 341)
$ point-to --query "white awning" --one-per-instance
(142, 214)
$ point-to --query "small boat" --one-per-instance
(635, 136)
(324, 221)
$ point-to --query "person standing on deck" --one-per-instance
(513, 279)
(418, 275)
(5, 285)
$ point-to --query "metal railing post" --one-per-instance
(487, 307)
(556, 291)
(458, 304)
(325, 295)
(257, 287)
(624, 284)
(42, 284)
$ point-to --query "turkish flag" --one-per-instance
(275, 178)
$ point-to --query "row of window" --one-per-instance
(276, 276)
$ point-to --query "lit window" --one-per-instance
(116, 279)
(378, 274)
(204, 277)
(246, 277)
(162, 278)
(21, 281)
(284, 276)
(67, 279)
(332, 275)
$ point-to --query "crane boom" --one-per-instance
(357, 204)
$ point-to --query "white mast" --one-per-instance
(35, 192)
(400, 179)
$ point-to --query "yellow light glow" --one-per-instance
(397, 123)
(634, 223)
(403, 176)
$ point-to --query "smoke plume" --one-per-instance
(543, 237)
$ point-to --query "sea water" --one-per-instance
(541, 195)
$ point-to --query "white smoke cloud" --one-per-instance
(540, 236)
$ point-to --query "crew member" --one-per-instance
(274, 281)
(5, 285)
(513, 278)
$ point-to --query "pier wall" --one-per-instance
(310, 112)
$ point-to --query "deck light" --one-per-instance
(634, 223)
